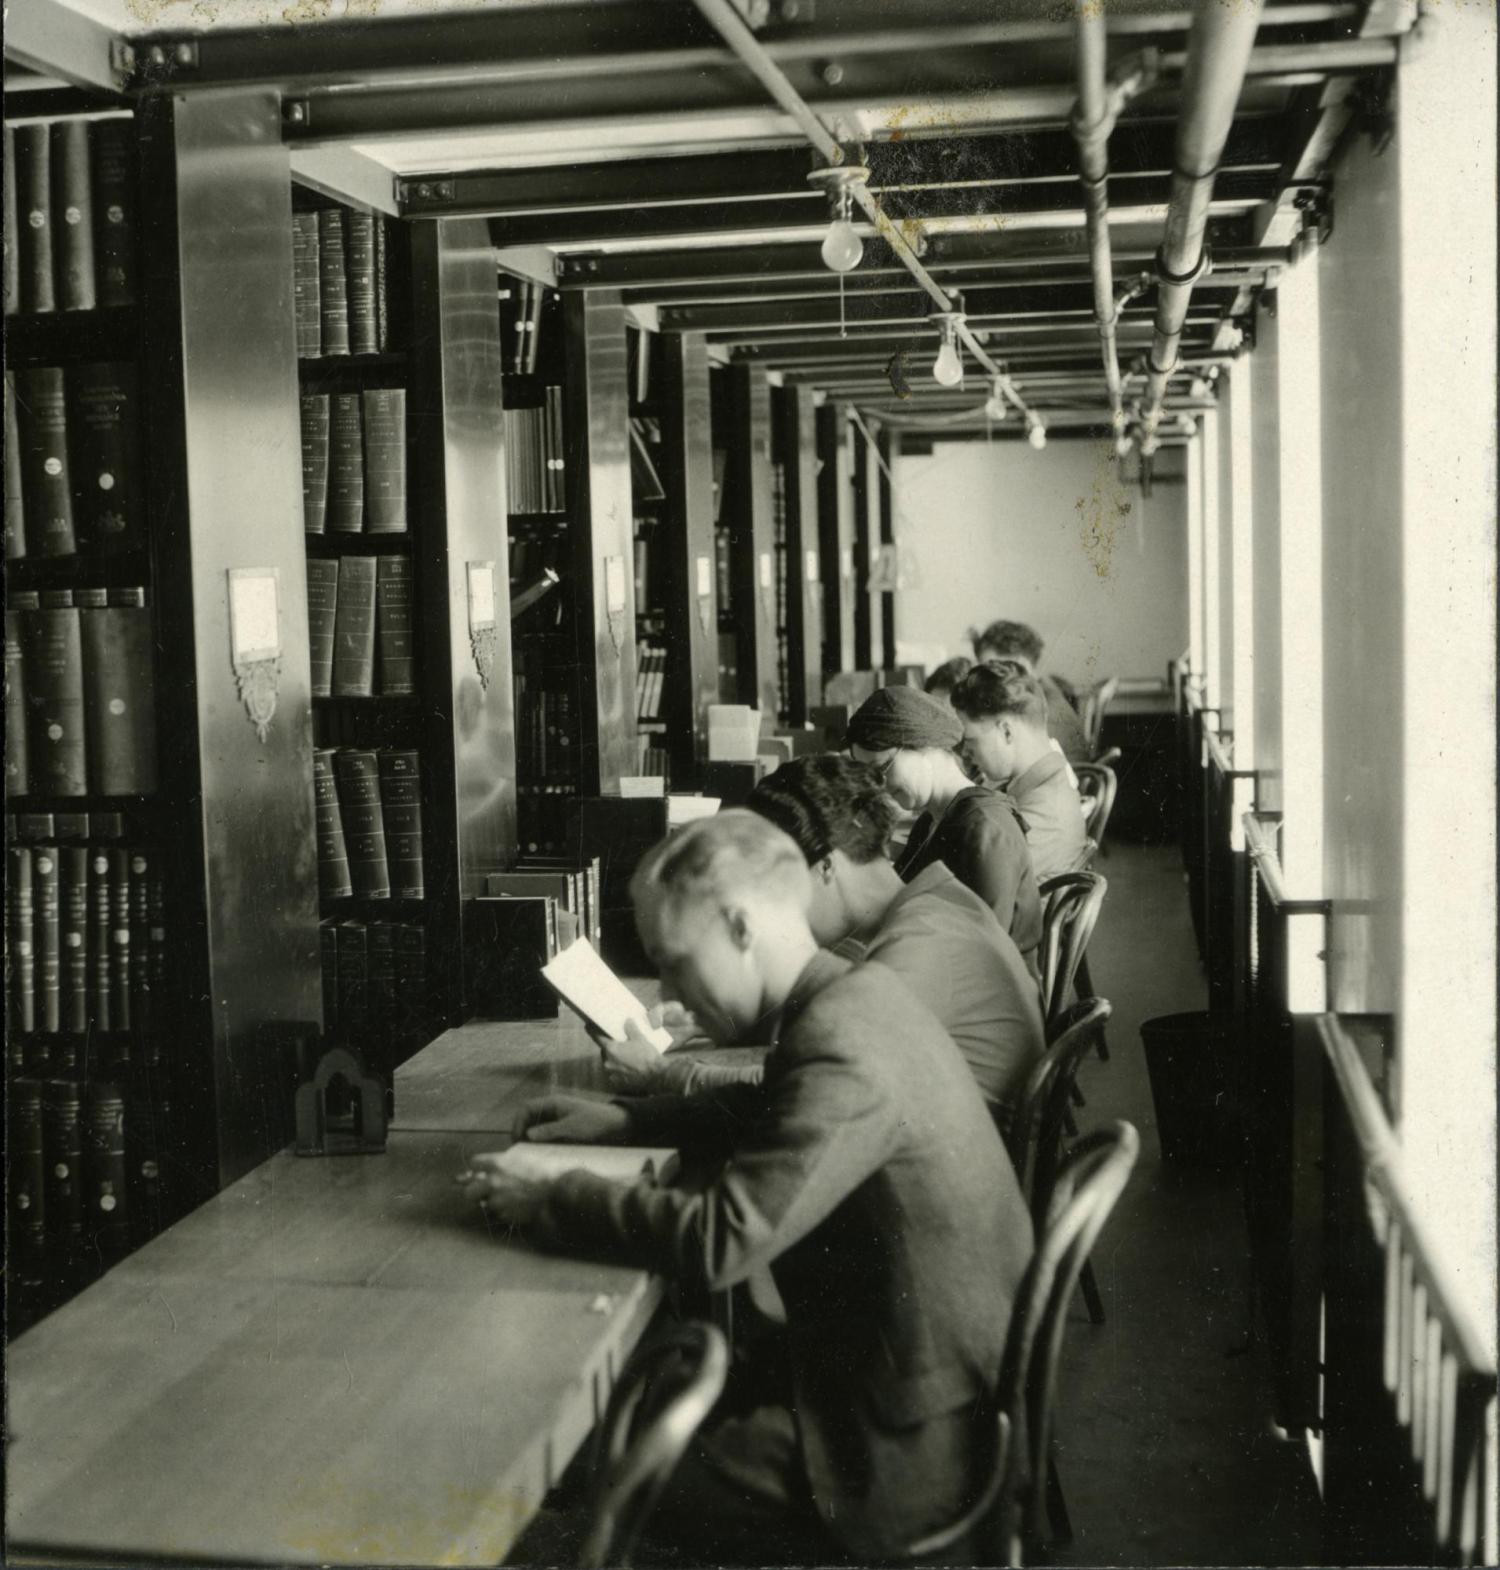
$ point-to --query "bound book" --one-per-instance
(542, 1163)
(119, 694)
(393, 625)
(401, 808)
(41, 414)
(385, 460)
(156, 932)
(382, 288)
(119, 939)
(17, 771)
(592, 990)
(25, 1171)
(346, 465)
(307, 292)
(507, 943)
(332, 281)
(20, 917)
(358, 773)
(46, 886)
(106, 1215)
(73, 863)
(359, 239)
(380, 943)
(411, 977)
(316, 415)
(353, 975)
(15, 494)
(101, 912)
(62, 1153)
(112, 147)
(142, 874)
(12, 228)
(34, 210)
(333, 855)
(103, 453)
(322, 613)
(328, 952)
(73, 216)
(354, 629)
(52, 649)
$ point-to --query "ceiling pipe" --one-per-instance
(1218, 56)
(731, 26)
(1101, 100)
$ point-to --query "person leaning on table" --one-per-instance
(864, 1172)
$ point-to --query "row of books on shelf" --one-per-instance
(72, 470)
(650, 679)
(546, 718)
(374, 978)
(543, 815)
(369, 823)
(535, 469)
(80, 697)
(85, 936)
(354, 462)
(527, 917)
(360, 626)
(521, 325)
(652, 759)
(69, 215)
(341, 282)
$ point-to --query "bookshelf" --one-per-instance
(864, 477)
(654, 662)
(803, 567)
(836, 537)
(890, 451)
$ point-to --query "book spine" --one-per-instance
(316, 418)
(12, 228)
(119, 939)
(385, 460)
(354, 975)
(382, 286)
(17, 771)
(105, 1210)
(24, 1166)
(394, 632)
(42, 418)
(156, 933)
(47, 891)
(34, 207)
(74, 860)
(73, 216)
(20, 921)
(333, 855)
(354, 629)
(322, 612)
(411, 978)
(401, 804)
(359, 233)
(62, 1154)
(141, 990)
(103, 443)
(358, 775)
(328, 950)
(101, 907)
(15, 492)
(307, 290)
(382, 974)
(119, 692)
(346, 465)
(112, 145)
(333, 283)
(52, 649)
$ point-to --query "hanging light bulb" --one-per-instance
(1036, 432)
(994, 408)
(948, 368)
(842, 248)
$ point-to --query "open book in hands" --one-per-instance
(592, 990)
(616, 1163)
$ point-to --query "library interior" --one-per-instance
(924, 576)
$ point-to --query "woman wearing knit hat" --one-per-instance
(909, 738)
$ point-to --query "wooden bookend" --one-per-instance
(341, 1108)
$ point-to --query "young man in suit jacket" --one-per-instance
(863, 1171)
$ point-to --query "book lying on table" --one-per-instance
(615, 1163)
(592, 990)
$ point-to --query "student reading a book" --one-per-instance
(974, 830)
(864, 1172)
(939, 937)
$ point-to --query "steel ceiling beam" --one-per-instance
(58, 41)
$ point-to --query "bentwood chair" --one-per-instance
(1070, 908)
(1035, 1137)
(1097, 787)
(667, 1389)
(1091, 706)
(1004, 1523)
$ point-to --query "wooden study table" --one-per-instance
(336, 1360)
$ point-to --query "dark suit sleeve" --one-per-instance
(825, 1127)
(995, 862)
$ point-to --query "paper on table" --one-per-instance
(588, 986)
(685, 809)
(617, 1163)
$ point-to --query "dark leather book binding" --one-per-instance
(393, 626)
(316, 417)
(358, 776)
(105, 1209)
(322, 612)
(17, 766)
(385, 460)
(112, 148)
(103, 447)
(142, 992)
(401, 804)
(74, 868)
(354, 975)
(52, 649)
(119, 691)
(42, 420)
(411, 979)
(354, 629)
(101, 922)
(62, 1154)
(333, 855)
(46, 883)
(359, 242)
(15, 490)
(12, 228)
(119, 939)
(507, 940)
(333, 282)
(382, 286)
(34, 212)
(307, 289)
(20, 921)
(328, 953)
(72, 216)
(381, 951)
(346, 465)
(24, 1169)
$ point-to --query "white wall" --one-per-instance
(1053, 539)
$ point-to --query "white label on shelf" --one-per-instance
(765, 570)
(254, 614)
(705, 577)
(846, 562)
(614, 584)
(481, 594)
(812, 566)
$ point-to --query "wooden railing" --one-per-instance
(1409, 1390)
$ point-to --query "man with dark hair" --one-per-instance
(1005, 735)
(864, 1172)
(947, 676)
(1014, 640)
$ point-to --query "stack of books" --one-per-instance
(354, 462)
(374, 979)
(369, 823)
(341, 282)
(535, 472)
(360, 627)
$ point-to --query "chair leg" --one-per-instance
(1089, 1285)
(1057, 1506)
(1083, 987)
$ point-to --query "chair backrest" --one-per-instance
(1097, 786)
(1089, 1180)
(1035, 1134)
(1070, 907)
(1091, 710)
(669, 1386)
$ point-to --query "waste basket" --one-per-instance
(1190, 1062)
